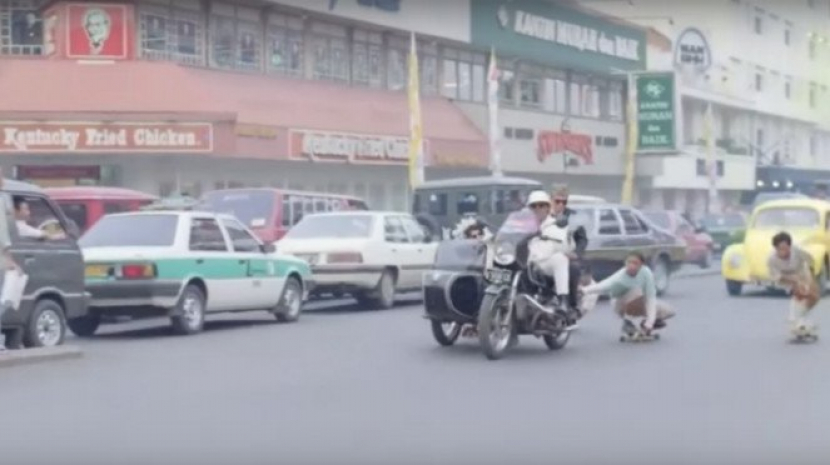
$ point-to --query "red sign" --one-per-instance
(58, 172)
(552, 142)
(99, 137)
(98, 31)
(348, 148)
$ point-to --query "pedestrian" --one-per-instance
(791, 267)
(7, 262)
(635, 295)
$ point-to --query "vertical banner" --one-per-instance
(656, 112)
(711, 163)
(632, 142)
(493, 110)
(416, 132)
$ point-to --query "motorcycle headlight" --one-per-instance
(505, 254)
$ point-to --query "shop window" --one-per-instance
(21, 28)
(206, 236)
(174, 32)
(367, 59)
(285, 45)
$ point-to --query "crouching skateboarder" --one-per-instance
(791, 267)
(635, 296)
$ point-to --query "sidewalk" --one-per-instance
(32, 356)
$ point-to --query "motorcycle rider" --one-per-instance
(549, 251)
(560, 210)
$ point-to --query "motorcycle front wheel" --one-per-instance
(495, 325)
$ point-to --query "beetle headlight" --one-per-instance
(735, 261)
(505, 254)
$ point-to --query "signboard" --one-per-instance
(34, 172)
(323, 146)
(26, 137)
(98, 31)
(580, 146)
(656, 112)
(553, 33)
(692, 50)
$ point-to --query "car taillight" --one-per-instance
(345, 257)
(138, 271)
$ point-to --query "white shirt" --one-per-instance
(24, 230)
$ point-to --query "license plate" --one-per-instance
(498, 276)
(97, 271)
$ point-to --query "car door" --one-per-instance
(212, 260)
(260, 271)
(424, 251)
(401, 254)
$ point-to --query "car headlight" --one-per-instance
(735, 261)
(505, 254)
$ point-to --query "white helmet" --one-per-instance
(538, 197)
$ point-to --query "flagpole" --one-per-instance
(712, 168)
(416, 133)
(493, 113)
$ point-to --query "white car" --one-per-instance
(371, 255)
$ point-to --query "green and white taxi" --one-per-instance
(185, 264)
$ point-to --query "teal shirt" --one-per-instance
(618, 284)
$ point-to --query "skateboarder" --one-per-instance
(635, 294)
(791, 267)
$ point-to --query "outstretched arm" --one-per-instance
(605, 285)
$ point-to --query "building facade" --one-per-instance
(762, 67)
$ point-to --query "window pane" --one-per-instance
(479, 83)
(429, 74)
(507, 86)
(450, 84)
(576, 99)
(396, 77)
(250, 46)
(615, 100)
(561, 96)
(465, 84)
(132, 231)
(339, 59)
(286, 51)
(321, 64)
(549, 96)
(241, 239)
(360, 63)
(171, 34)
(375, 66)
(223, 37)
(21, 26)
(205, 235)
(529, 92)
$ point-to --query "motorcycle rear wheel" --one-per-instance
(495, 325)
(557, 341)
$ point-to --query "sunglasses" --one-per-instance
(560, 201)
(537, 206)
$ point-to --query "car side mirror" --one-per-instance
(269, 248)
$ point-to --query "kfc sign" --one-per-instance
(116, 137)
(578, 147)
(349, 148)
(98, 31)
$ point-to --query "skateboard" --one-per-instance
(804, 334)
(632, 333)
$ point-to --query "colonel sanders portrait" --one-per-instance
(97, 24)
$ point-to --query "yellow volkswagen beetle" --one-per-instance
(807, 221)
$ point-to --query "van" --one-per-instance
(54, 295)
(85, 205)
(271, 212)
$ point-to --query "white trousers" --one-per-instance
(798, 314)
(550, 257)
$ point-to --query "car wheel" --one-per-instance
(734, 288)
(383, 296)
(662, 275)
(85, 326)
(47, 325)
(291, 303)
(190, 311)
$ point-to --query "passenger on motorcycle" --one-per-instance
(579, 236)
(549, 251)
(635, 293)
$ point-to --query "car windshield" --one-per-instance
(661, 219)
(724, 221)
(254, 208)
(332, 227)
(132, 231)
(786, 217)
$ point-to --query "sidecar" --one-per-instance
(454, 287)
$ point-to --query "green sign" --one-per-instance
(551, 33)
(656, 112)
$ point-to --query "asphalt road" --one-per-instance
(358, 387)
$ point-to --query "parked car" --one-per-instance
(85, 205)
(185, 265)
(725, 229)
(370, 255)
(763, 197)
(614, 231)
(272, 212)
(55, 290)
(807, 220)
(699, 244)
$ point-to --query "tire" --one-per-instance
(494, 349)
(734, 288)
(444, 337)
(557, 342)
(46, 326)
(190, 311)
(291, 302)
(662, 275)
(383, 297)
(85, 326)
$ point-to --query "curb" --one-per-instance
(39, 355)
